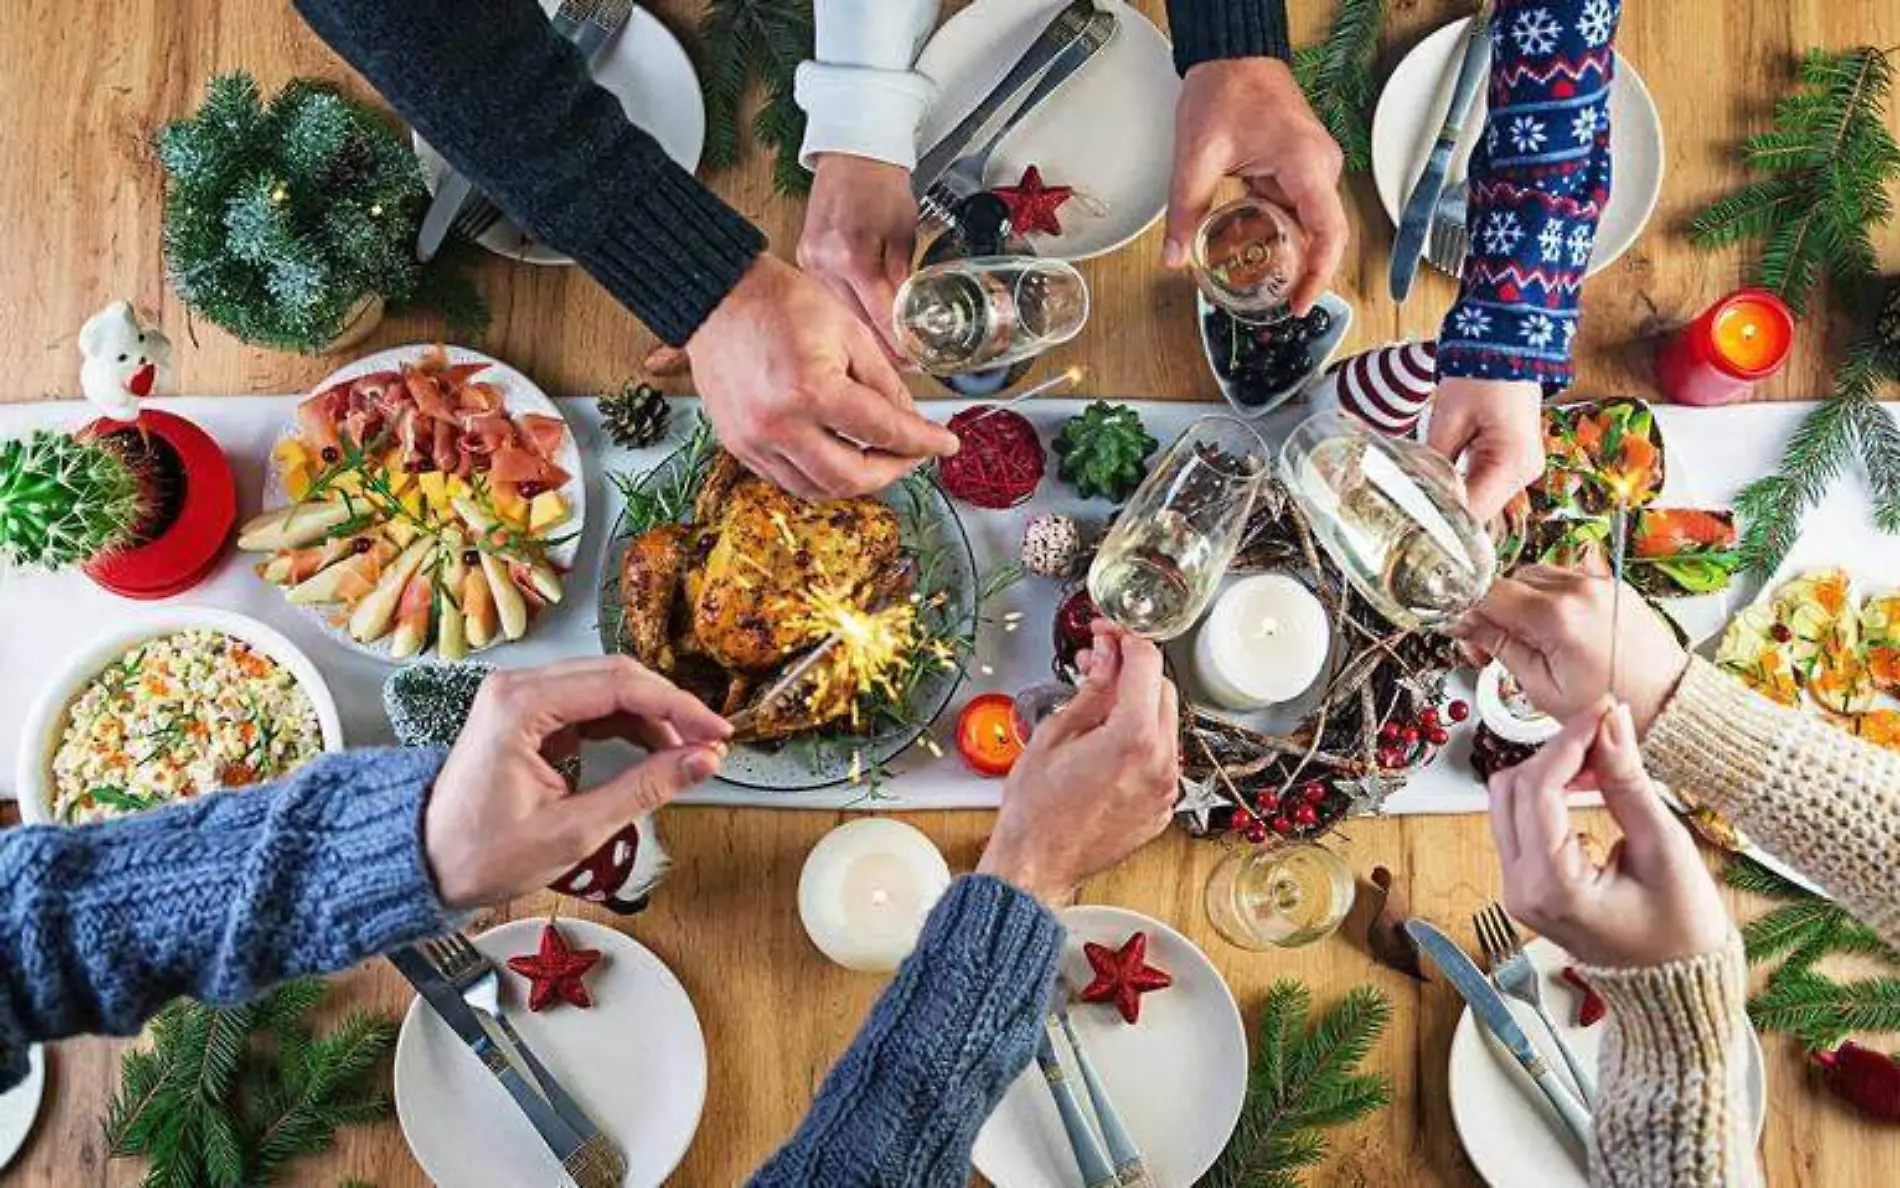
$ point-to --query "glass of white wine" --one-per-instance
(1280, 897)
(1247, 255)
(1391, 514)
(987, 312)
(1160, 563)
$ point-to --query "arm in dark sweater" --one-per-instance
(956, 1026)
(219, 898)
(492, 87)
(1206, 30)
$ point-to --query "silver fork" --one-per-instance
(598, 1163)
(1448, 241)
(1514, 974)
(477, 215)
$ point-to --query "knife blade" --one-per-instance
(1416, 220)
(1061, 32)
(1488, 1006)
(450, 193)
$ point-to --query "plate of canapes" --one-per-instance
(425, 499)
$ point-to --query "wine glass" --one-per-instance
(1391, 515)
(1280, 897)
(987, 312)
(1247, 256)
(1158, 567)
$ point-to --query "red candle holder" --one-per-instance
(987, 736)
(1737, 342)
(203, 510)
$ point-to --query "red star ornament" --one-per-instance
(1032, 205)
(555, 971)
(1123, 975)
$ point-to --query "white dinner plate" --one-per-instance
(1413, 106)
(635, 1061)
(1510, 1132)
(1177, 1078)
(20, 1105)
(1109, 131)
(647, 69)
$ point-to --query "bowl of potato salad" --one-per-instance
(169, 708)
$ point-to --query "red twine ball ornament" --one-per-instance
(1001, 460)
(1864, 1078)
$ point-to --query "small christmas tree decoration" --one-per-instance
(122, 360)
(1590, 1008)
(66, 502)
(636, 416)
(1033, 205)
(1103, 451)
(1000, 463)
(1123, 975)
(555, 971)
(1864, 1078)
(1387, 387)
(1052, 544)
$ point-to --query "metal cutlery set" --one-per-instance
(1432, 224)
(1122, 1164)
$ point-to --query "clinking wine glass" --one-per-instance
(1247, 256)
(987, 312)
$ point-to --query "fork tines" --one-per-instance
(610, 14)
(577, 10)
(477, 215)
(1497, 936)
(453, 956)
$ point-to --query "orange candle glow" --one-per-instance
(1738, 341)
(1752, 336)
(986, 734)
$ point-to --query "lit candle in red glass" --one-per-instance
(986, 734)
(1741, 339)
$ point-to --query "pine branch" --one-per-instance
(1336, 76)
(1821, 1012)
(1787, 928)
(741, 39)
(1746, 874)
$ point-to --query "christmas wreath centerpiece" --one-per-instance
(292, 223)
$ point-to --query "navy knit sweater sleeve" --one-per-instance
(957, 1025)
(1539, 180)
(1207, 30)
(496, 91)
(219, 898)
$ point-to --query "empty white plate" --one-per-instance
(20, 1105)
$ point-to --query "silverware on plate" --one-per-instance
(1415, 220)
(1096, 1170)
(1131, 1170)
(1513, 973)
(1448, 242)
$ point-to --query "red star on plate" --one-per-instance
(1032, 205)
(555, 972)
(1123, 975)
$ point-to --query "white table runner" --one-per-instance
(46, 616)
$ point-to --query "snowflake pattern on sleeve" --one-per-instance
(1539, 180)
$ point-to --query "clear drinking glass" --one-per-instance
(1158, 567)
(1391, 514)
(1281, 897)
(1247, 256)
(987, 312)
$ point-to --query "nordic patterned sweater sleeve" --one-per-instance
(495, 90)
(956, 1026)
(1539, 180)
(219, 898)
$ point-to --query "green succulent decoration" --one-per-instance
(282, 218)
(64, 502)
(1103, 451)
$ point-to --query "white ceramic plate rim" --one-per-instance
(1393, 172)
(46, 720)
(34, 1087)
(519, 395)
(1331, 302)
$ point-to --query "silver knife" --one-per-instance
(1056, 36)
(450, 193)
(1096, 1171)
(1415, 222)
(1488, 1006)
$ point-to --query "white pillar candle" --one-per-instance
(1265, 642)
(865, 890)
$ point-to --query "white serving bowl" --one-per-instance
(46, 721)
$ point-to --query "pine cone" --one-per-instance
(1104, 451)
(636, 416)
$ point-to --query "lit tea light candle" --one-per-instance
(865, 891)
(1740, 340)
(987, 737)
(1265, 642)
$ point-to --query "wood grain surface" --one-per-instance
(80, 199)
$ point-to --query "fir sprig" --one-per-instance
(1304, 1079)
(1337, 77)
(769, 38)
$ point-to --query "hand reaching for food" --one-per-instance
(1498, 426)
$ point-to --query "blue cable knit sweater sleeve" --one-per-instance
(1539, 180)
(101, 925)
(956, 1026)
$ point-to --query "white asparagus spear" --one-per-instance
(371, 619)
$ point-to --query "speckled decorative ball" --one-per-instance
(1052, 545)
(427, 703)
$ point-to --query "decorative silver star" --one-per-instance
(1199, 799)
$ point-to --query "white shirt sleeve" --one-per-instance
(860, 94)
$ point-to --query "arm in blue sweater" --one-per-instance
(101, 925)
(956, 1026)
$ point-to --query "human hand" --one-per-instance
(1246, 118)
(1651, 901)
(1099, 779)
(501, 821)
(860, 233)
(1551, 628)
(801, 392)
(1499, 425)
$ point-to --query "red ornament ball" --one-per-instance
(1001, 461)
(1459, 710)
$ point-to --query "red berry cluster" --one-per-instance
(1298, 809)
(1406, 742)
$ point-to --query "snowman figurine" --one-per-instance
(123, 360)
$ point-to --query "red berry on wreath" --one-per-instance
(1389, 732)
(1438, 736)
(555, 971)
(1314, 792)
(1306, 816)
(1000, 462)
(1123, 975)
(1256, 833)
(1459, 710)
(1409, 736)
(1428, 717)
(1281, 826)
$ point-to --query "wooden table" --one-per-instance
(80, 197)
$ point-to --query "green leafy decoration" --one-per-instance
(769, 38)
(1304, 1080)
(1338, 80)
